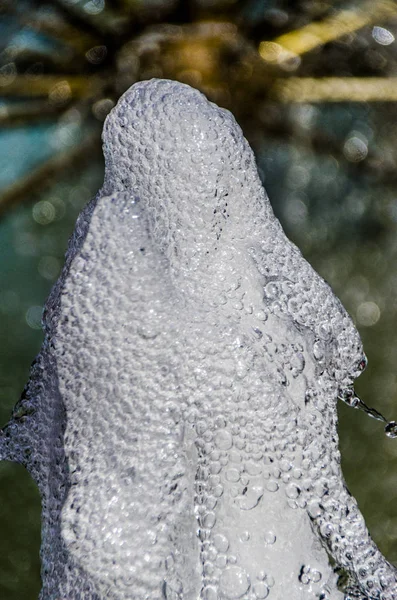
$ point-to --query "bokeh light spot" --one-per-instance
(102, 108)
(43, 212)
(33, 317)
(382, 36)
(7, 74)
(355, 149)
(94, 7)
(96, 54)
(60, 93)
(368, 314)
(49, 267)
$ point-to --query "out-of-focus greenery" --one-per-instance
(313, 84)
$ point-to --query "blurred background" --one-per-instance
(313, 84)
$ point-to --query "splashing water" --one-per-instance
(349, 397)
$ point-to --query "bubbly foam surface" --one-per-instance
(180, 419)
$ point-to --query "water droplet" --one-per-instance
(234, 582)
(348, 396)
(391, 429)
(148, 331)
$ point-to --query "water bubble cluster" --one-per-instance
(180, 419)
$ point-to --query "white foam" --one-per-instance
(181, 417)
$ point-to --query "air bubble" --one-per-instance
(315, 576)
(270, 538)
(272, 486)
(252, 468)
(173, 590)
(221, 561)
(251, 498)
(270, 581)
(325, 331)
(292, 491)
(261, 590)
(210, 593)
(327, 530)
(271, 290)
(314, 510)
(221, 542)
(285, 465)
(318, 350)
(209, 520)
(232, 475)
(223, 440)
(217, 491)
(234, 582)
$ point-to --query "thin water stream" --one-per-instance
(349, 397)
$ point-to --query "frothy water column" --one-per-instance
(180, 419)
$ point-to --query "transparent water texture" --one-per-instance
(180, 419)
(351, 399)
